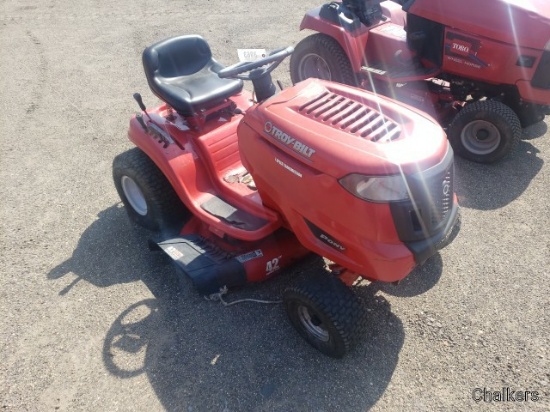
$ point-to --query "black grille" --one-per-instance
(431, 203)
(442, 198)
(542, 75)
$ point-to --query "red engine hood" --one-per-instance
(522, 22)
(339, 130)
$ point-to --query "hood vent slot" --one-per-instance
(351, 116)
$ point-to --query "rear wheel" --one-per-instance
(148, 197)
(326, 313)
(484, 131)
(321, 57)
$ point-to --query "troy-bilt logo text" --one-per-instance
(291, 142)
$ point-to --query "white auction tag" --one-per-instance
(250, 55)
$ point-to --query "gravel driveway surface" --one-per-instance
(92, 321)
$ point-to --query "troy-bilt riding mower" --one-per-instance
(482, 68)
(240, 185)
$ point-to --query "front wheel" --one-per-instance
(321, 57)
(484, 131)
(326, 313)
(148, 197)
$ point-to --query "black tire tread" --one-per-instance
(328, 48)
(166, 208)
(480, 108)
(338, 302)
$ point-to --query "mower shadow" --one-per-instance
(104, 259)
(227, 365)
(202, 356)
(489, 187)
(199, 355)
(537, 130)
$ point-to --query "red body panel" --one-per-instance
(197, 164)
(365, 232)
(418, 141)
(484, 59)
(522, 22)
(384, 41)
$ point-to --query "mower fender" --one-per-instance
(352, 42)
(190, 179)
(168, 158)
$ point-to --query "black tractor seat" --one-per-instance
(182, 72)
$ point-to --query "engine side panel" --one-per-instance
(526, 23)
(486, 60)
(299, 143)
(356, 234)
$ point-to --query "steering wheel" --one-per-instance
(258, 68)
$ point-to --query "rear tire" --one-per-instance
(484, 131)
(321, 57)
(148, 197)
(326, 313)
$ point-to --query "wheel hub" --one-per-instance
(312, 323)
(134, 195)
(482, 134)
(313, 65)
(480, 137)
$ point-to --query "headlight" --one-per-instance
(376, 188)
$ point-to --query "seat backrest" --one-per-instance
(368, 11)
(177, 56)
(181, 72)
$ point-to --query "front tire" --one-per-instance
(484, 131)
(148, 197)
(326, 313)
(321, 57)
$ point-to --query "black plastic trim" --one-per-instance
(422, 215)
(541, 79)
(218, 207)
(209, 268)
(424, 249)
(423, 221)
(407, 4)
(339, 14)
(325, 237)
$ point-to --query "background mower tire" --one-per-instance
(484, 131)
(320, 56)
(148, 197)
(326, 313)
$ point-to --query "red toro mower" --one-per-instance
(482, 68)
(240, 185)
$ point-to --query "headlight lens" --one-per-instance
(376, 188)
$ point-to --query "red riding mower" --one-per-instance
(249, 183)
(482, 68)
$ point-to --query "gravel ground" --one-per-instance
(93, 321)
